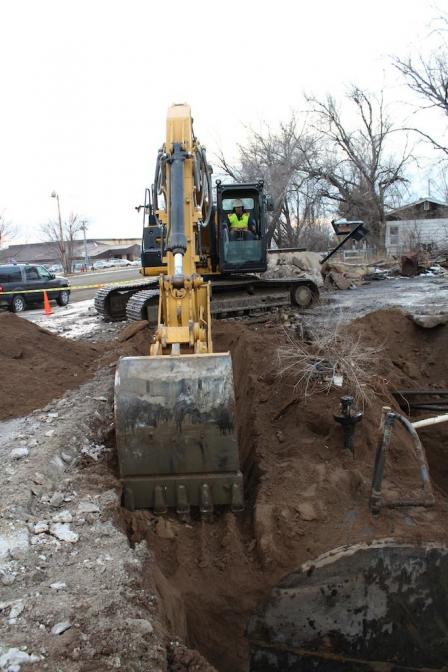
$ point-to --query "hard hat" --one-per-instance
(238, 203)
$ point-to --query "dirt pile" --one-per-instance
(305, 493)
(36, 366)
(413, 356)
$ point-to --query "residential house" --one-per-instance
(419, 225)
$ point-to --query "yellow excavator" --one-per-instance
(175, 408)
(233, 261)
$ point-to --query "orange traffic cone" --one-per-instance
(47, 307)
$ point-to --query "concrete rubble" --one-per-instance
(295, 264)
(68, 577)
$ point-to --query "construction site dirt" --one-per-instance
(88, 585)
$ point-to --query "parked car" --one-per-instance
(20, 279)
(55, 268)
(136, 262)
(98, 265)
(120, 262)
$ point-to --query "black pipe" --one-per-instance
(209, 187)
(177, 242)
(408, 393)
(377, 501)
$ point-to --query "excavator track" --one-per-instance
(143, 305)
(248, 294)
(235, 304)
(259, 296)
(111, 301)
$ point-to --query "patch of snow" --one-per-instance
(11, 659)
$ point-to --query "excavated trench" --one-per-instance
(305, 496)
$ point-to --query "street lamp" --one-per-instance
(86, 256)
(61, 234)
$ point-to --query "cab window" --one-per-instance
(43, 273)
(227, 204)
(31, 273)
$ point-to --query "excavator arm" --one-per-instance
(175, 409)
(184, 307)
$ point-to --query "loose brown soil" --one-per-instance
(36, 366)
(305, 493)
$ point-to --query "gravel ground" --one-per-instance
(71, 593)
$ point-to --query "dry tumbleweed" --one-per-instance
(333, 357)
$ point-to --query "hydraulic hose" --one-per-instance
(157, 180)
(209, 187)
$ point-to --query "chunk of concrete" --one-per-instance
(63, 532)
(19, 453)
(140, 625)
(430, 321)
(87, 507)
(59, 628)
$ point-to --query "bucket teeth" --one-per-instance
(159, 500)
(128, 499)
(237, 500)
(182, 507)
(206, 505)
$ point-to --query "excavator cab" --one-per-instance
(242, 251)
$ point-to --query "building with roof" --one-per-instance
(47, 253)
(422, 224)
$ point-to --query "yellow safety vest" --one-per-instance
(236, 223)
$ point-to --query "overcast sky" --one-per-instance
(85, 85)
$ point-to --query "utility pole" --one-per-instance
(61, 235)
(86, 256)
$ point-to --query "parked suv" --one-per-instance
(20, 278)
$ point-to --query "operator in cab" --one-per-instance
(241, 224)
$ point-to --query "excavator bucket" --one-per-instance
(176, 433)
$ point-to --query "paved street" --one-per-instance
(100, 277)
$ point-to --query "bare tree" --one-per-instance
(277, 158)
(353, 162)
(440, 183)
(64, 246)
(427, 76)
(7, 230)
(328, 164)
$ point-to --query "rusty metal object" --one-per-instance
(377, 500)
(409, 264)
(377, 606)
